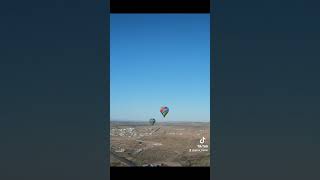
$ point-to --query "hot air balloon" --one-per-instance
(152, 121)
(164, 111)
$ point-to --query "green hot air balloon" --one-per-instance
(152, 121)
(164, 111)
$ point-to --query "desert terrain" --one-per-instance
(163, 144)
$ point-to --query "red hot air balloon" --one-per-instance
(164, 111)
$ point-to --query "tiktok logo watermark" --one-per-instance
(202, 147)
(202, 140)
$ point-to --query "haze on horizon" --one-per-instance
(160, 60)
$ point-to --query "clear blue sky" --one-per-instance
(160, 60)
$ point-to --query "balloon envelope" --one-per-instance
(152, 121)
(164, 111)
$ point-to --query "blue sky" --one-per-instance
(160, 60)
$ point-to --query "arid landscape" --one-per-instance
(163, 144)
